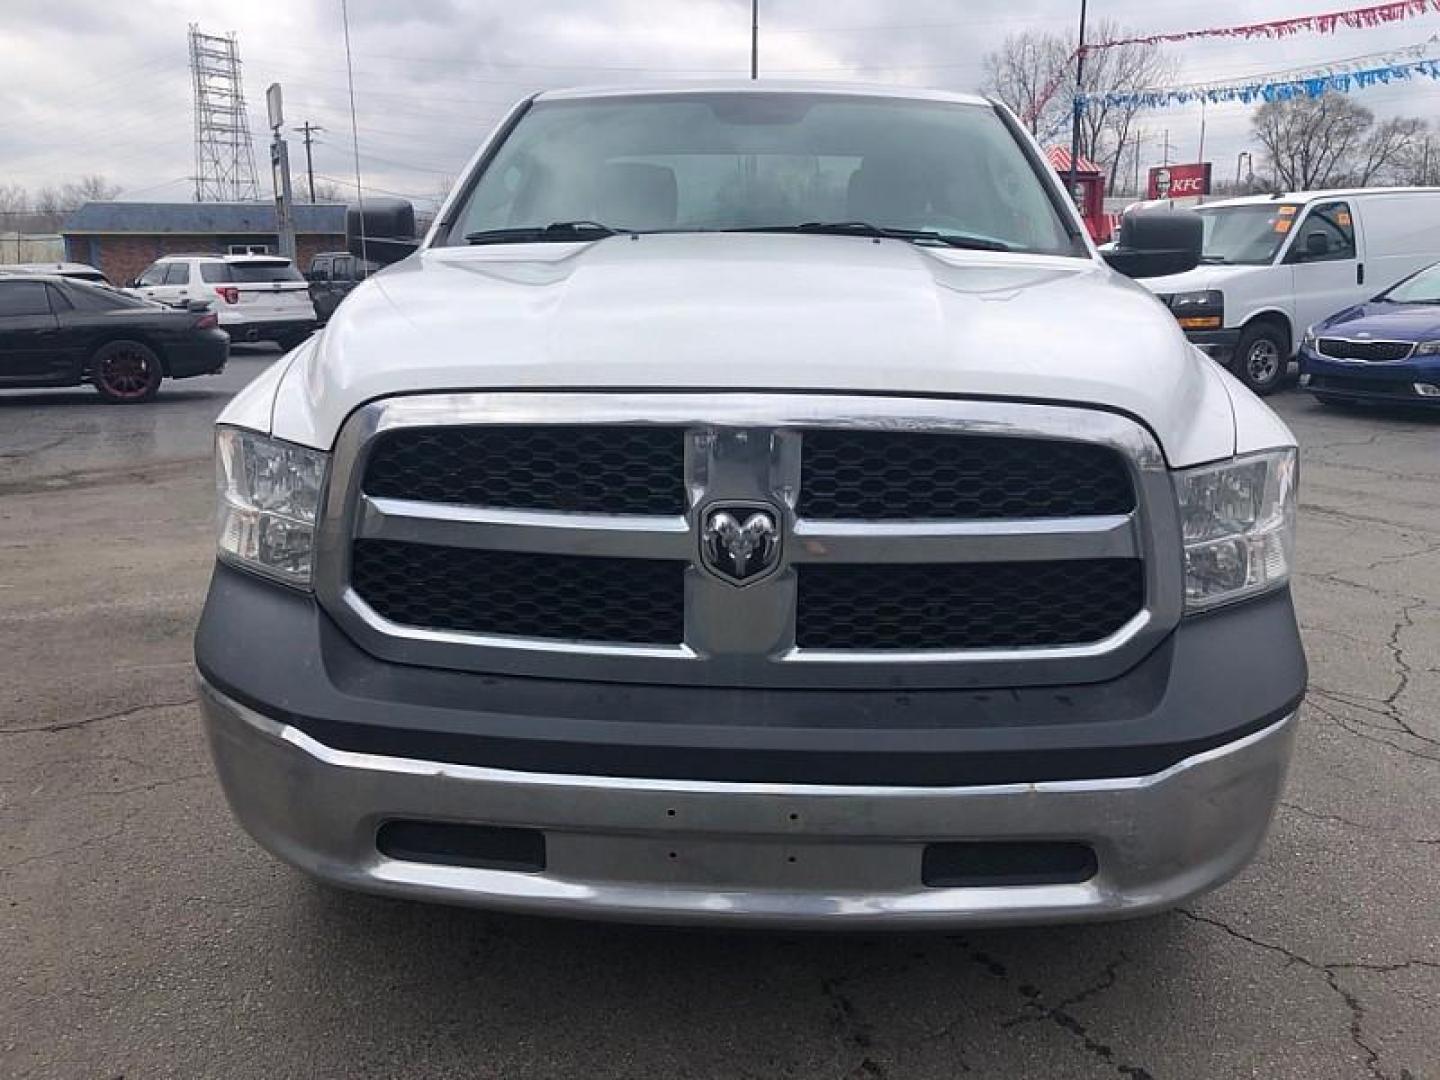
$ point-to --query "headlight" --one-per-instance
(1307, 340)
(1428, 348)
(1238, 521)
(1199, 310)
(269, 495)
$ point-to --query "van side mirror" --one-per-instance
(1153, 243)
(383, 230)
(1317, 245)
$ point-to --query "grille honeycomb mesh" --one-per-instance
(886, 475)
(581, 468)
(966, 605)
(627, 601)
(1365, 350)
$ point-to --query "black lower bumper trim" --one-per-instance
(994, 862)
(1215, 679)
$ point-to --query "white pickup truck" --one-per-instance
(756, 504)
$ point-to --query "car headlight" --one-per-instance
(1238, 523)
(1428, 348)
(1203, 310)
(1307, 340)
(269, 497)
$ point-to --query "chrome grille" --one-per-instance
(1368, 351)
(1075, 582)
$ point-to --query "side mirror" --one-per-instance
(383, 231)
(197, 305)
(1153, 243)
(1317, 245)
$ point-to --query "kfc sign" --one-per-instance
(1179, 181)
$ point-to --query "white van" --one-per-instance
(1275, 264)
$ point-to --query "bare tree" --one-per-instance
(1030, 64)
(51, 204)
(1311, 142)
(1020, 73)
(14, 199)
(1107, 128)
(92, 188)
(1388, 153)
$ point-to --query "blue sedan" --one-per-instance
(1385, 350)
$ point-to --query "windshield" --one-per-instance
(741, 161)
(1420, 288)
(1249, 235)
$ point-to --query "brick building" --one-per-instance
(122, 238)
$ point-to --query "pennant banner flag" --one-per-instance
(1328, 23)
(1266, 90)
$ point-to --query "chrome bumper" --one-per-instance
(772, 854)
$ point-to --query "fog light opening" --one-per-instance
(1425, 389)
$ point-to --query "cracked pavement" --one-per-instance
(143, 935)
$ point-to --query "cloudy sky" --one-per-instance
(102, 86)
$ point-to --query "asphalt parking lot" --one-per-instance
(142, 935)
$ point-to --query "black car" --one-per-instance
(332, 275)
(56, 331)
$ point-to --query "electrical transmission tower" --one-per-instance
(224, 158)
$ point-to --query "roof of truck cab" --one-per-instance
(1325, 193)
(763, 86)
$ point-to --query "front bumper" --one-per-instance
(805, 855)
(1219, 345)
(1388, 382)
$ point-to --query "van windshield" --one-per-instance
(1246, 235)
(748, 161)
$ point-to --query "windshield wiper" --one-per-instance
(866, 228)
(555, 232)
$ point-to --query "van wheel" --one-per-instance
(126, 372)
(1262, 358)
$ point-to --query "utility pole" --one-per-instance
(1076, 106)
(1139, 144)
(280, 173)
(309, 129)
(1201, 155)
(754, 39)
(1166, 161)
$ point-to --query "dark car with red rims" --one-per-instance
(57, 331)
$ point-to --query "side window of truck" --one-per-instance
(1326, 235)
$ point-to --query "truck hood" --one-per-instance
(757, 312)
(1393, 322)
(1203, 277)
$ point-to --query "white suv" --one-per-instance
(258, 297)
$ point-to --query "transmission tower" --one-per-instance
(224, 158)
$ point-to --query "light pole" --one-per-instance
(1075, 105)
(754, 39)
